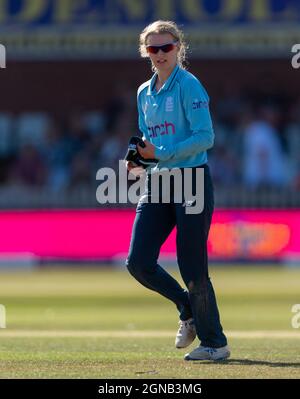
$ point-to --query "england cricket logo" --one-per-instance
(169, 104)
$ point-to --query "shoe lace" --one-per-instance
(211, 351)
(182, 325)
(185, 324)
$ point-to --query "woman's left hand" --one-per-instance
(148, 151)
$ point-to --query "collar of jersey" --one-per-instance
(167, 85)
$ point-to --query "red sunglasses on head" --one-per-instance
(166, 48)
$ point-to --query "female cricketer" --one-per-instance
(174, 118)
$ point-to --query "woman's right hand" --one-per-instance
(130, 165)
(134, 169)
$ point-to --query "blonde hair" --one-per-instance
(159, 27)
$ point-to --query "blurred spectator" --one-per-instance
(222, 160)
(80, 171)
(31, 129)
(123, 100)
(57, 155)
(6, 122)
(78, 135)
(29, 168)
(292, 134)
(224, 166)
(229, 104)
(116, 140)
(264, 161)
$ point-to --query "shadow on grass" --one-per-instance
(248, 362)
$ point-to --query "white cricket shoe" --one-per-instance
(206, 353)
(185, 334)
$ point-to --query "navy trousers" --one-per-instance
(153, 224)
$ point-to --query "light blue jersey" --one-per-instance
(176, 119)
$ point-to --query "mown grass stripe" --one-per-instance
(138, 334)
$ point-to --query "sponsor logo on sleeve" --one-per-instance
(197, 104)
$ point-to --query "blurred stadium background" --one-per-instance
(67, 108)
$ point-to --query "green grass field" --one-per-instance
(103, 324)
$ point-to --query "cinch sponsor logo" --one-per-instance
(199, 104)
(160, 130)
